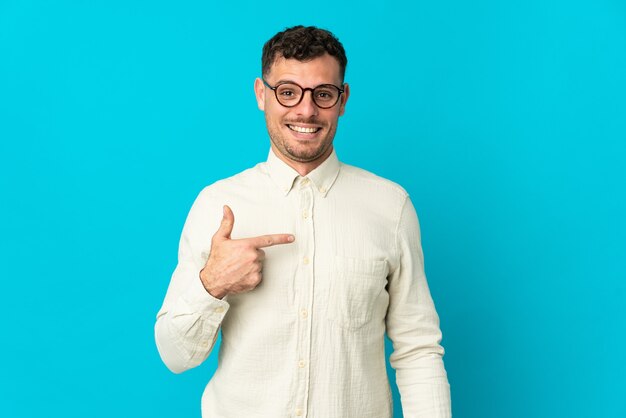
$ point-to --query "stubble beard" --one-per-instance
(304, 155)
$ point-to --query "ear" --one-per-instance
(259, 92)
(344, 98)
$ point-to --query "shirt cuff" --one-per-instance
(199, 300)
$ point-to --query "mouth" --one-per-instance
(304, 129)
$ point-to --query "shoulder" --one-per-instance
(207, 207)
(371, 183)
(244, 179)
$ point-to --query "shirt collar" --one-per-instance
(323, 177)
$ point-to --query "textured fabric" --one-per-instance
(309, 340)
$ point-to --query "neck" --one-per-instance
(303, 168)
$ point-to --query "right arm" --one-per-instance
(193, 310)
(189, 320)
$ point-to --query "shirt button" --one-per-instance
(219, 309)
(204, 344)
(305, 181)
(298, 412)
(305, 214)
(305, 260)
(301, 364)
(322, 189)
(304, 314)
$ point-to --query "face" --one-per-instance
(301, 135)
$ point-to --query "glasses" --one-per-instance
(290, 94)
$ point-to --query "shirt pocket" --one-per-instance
(355, 285)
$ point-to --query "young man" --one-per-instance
(320, 261)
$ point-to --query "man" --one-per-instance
(304, 263)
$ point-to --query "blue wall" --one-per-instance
(506, 121)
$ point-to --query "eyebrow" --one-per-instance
(284, 81)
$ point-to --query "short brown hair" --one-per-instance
(304, 44)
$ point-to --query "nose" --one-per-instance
(307, 106)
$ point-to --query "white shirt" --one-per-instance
(309, 340)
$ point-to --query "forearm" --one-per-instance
(424, 388)
(187, 328)
(418, 360)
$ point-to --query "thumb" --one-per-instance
(226, 226)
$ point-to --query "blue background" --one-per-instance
(505, 121)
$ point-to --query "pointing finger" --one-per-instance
(270, 240)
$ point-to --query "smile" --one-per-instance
(303, 129)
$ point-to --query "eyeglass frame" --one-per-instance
(304, 90)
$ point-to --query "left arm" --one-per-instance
(413, 327)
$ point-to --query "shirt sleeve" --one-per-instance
(413, 327)
(189, 320)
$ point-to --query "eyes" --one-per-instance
(321, 94)
(285, 92)
(324, 94)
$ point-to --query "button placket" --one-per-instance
(304, 293)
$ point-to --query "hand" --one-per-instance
(235, 265)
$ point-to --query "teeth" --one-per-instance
(303, 129)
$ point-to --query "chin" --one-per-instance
(305, 156)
